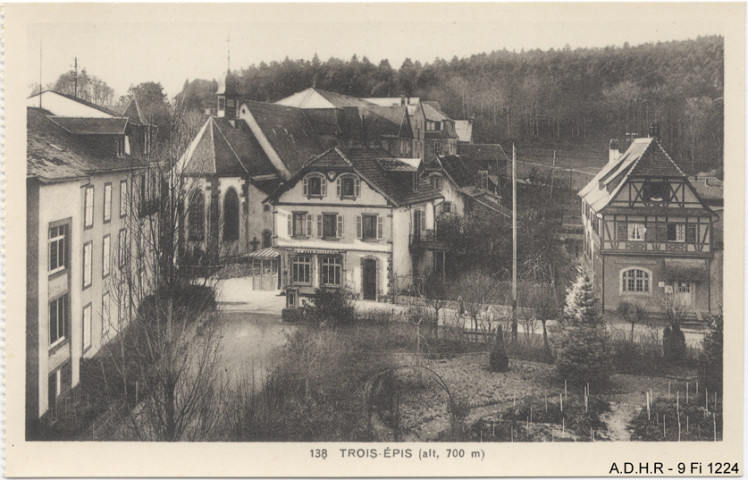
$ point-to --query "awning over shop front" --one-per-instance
(685, 270)
(264, 254)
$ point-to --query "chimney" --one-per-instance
(654, 130)
(614, 150)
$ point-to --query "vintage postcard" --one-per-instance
(374, 239)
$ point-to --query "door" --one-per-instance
(369, 279)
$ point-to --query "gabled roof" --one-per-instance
(318, 98)
(288, 131)
(485, 153)
(223, 149)
(463, 170)
(386, 121)
(53, 153)
(61, 104)
(395, 186)
(645, 157)
(433, 112)
(91, 126)
(133, 113)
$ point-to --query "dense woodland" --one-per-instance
(583, 95)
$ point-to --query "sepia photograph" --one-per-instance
(435, 236)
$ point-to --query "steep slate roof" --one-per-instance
(221, 148)
(289, 132)
(485, 153)
(396, 186)
(645, 157)
(54, 154)
(62, 104)
(463, 170)
(387, 121)
(91, 126)
(133, 113)
(317, 98)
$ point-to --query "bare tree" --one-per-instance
(166, 349)
(476, 289)
(543, 302)
(634, 312)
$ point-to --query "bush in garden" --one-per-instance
(331, 306)
(581, 344)
(674, 344)
(710, 371)
(498, 360)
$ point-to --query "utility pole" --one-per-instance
(75, 79)
(40, 75)
(514, 243)
(553, 171)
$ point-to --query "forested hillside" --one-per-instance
(585, 95)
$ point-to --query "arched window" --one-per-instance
(635, 280)
(231, 216)
(196, 217)
(267, 239)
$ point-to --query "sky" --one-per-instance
(170, 48)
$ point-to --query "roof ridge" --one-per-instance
(230, 147)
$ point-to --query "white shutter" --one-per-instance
(340, 226)
(357, 187)
(323, 188)
(319, 225)
(290, 224)
(358, 226)
(308, 225)
(379, 227)
(306, 186)
(339, 188)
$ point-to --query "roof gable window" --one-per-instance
(315, 185)
(348, 186)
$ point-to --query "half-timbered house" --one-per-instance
(647, 232)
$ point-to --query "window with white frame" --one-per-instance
(88, 214)
(682, 287)
(348, 186)
(447, 207)
(58, 319)
(122, 198)
(370, 227)
(676, 232)
(437, 147)
(330, 271)
(106, 261)
(302, 224)
(301, 269)
(57, 248)
(315, 185)
(86, 324)
(107, 202)
(87, 264)
(635, 280)
(636, 232)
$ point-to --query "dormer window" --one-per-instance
(436, 182)
(483, 179)
(315, 186)
(120, 146)
(349, 186)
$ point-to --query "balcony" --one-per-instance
(426, 240)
